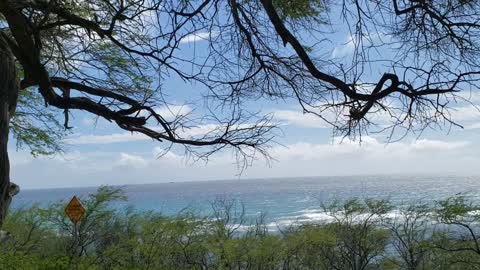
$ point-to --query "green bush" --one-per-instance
(360, 234)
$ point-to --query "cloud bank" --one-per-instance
(339, 157)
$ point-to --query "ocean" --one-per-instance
(283, 200)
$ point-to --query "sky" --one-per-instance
(98, 153)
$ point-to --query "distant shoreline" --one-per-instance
(254, 179)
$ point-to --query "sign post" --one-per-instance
(75, 211)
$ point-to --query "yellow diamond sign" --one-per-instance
(75, 210)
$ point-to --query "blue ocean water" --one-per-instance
(282, 200)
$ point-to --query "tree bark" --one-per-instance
(9, 90)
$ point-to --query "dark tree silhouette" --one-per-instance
(109, 57)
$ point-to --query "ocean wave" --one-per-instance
(319, 216)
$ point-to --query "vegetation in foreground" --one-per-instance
(361, 234)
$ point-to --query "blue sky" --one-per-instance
(99, 153)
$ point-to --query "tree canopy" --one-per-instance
(110, 57)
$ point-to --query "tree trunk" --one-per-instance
(9, 89)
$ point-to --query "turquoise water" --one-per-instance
(283, 200)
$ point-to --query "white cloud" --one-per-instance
(20, 158)
(473, 126)
(299, 119)
(369, 147)
(435, 145)
(465, 114)
(126, 137)
(107, 139)
(468, 115)
(167, 112)
(309, 120)
(351, 42)
(171, 112)
(198, 36)
(471, 96)
(164, 155)
(339, 157)
(88, 121)
(344, 49)
(129, 160)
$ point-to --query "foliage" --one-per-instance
(298, 9)
(36, 126)
(361, 234)
(112, 59)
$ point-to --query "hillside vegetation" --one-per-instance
(361, 234)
